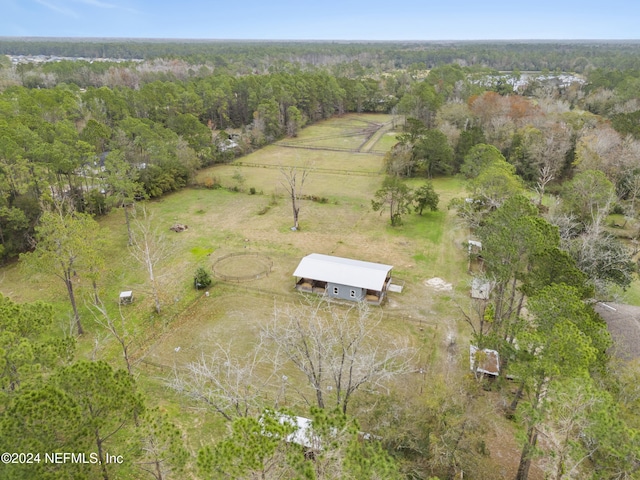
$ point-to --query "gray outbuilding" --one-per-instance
(481, 288)
(343, 278)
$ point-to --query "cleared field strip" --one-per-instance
(320, 160)
(352, 141)
(347, 141)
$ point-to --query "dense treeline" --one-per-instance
(508, 55)
(564, 139)
(67, 141)
(544, 257)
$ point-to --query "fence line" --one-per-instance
(154, 364)
(267, 264)
(387, 313)
(335, 171)
(332, 149)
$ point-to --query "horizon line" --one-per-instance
(310, 40)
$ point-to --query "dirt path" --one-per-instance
(377, 135)
(624, 324)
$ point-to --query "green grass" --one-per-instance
(200, 252)
(385, 142)
(325, 161)
(420, 257)
(632, 295)
(428, 226)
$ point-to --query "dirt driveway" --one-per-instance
(624, 324)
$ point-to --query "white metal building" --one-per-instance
(343, 278)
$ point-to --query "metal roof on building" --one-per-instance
(488, 362)
(343, 271)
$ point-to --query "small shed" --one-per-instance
(484, 361)
(126, 297)
(303, 434)
(343, 278)
(475, 247)
(481, 288)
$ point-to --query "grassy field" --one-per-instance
(222, 222)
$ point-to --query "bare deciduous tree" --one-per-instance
(293, 182)
(149, 247)
(118, 329)
(577, 408)
(550, 155)
(338, 350)
(599, 148)
(478, 319)
(232, 386)
(567, 223)
(120, 176)
(603, 258)
(161, 447)
(399, 161)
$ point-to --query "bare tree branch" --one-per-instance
(149, 247)
(293, 182)
(339, 351)
(232, 386)
(117, 329)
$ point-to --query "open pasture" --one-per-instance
(350, 131)
(223, 222)
(338, 176)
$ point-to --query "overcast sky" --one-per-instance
(323, 19)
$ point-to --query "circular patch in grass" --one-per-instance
(242, 266)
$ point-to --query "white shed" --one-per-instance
(481, 288)
(474, 246)
(126, 297)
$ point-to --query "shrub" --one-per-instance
(212, 182)
(316, 198)
(96, 203)
(202, 278)
(617, 209)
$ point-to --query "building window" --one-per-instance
(335, 290)
(352, 294)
